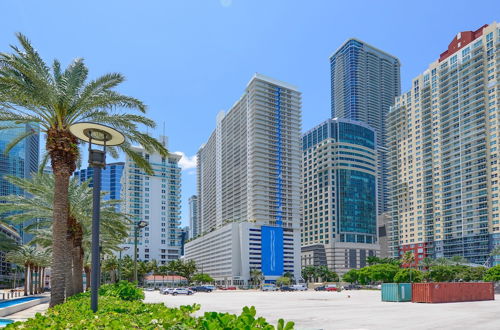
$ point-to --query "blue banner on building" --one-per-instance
(272, 251)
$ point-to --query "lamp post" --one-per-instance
(125, 248)
(101, 135)
(138, 226)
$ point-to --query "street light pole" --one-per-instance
(104, 136)
(138, 226)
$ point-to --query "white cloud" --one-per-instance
(186, 162)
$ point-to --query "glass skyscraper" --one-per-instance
(110, 178)
(339, 225)
(364, 83)
(21, 161)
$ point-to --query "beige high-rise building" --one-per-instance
(444, 149)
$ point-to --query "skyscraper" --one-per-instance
(155, 199)
(21, 161)
(443, 142)
(249, 187)
(364, 83)
(194, 217)
(110, 179)
(339, 225)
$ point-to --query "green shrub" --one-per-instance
(403, 276)
(124, 290)
(115, 313)
(492, 274)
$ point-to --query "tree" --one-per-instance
(202, 278)
(256, 276)
(427, 263)
(283, 280)
(326, 274)
(492, 274)
(114, 225)
(441, 262)
(441, 273)
(457, 260)
(309, 273)
(351, 276)
(408, 258)
(183, 268)
(468, 274)
(52, 100)
(377, 273)
(406, 275)
(33, 260)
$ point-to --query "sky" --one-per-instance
(189, 59)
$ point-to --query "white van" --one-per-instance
(269, 287)
(299, 287)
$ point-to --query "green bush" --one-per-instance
(403, 276)
(124, 290)
(115, 313)
(492, 274)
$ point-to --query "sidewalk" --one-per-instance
(28, 313)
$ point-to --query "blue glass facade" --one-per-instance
(110, 179)
(364, 83)
(340, 158)
(21, 161)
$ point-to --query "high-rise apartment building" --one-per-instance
(249, 187)
(194, 217)
(110, 179)
(6, 272)
(155, 199)
(364, 83)
(444, 153)
(339, 175)
(21, 161)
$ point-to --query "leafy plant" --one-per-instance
(123, 289)
(492, 274)
(403, 276)
(202, 278)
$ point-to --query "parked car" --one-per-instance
(320, 288)
(167, 290)
(201, 288)
(299, 287)
(331, 288)
(211, 287)
(269, 287)
(177, 291)
(352, 287)
(227, 287)
(150, 289)
(287, 288)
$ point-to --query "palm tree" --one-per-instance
(427, 263)
(457, 260)
(30, 258)
(408, 259)
(256, 276)
(39, 205)
(53, 99)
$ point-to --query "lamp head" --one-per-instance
(97, 134)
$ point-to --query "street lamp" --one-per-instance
(138, 226)
(125, 248)
(101, 135)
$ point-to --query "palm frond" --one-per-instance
(18, 139)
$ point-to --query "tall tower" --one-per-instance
(194, 217)
(443, 142)
(339, 225)
(249, 186)
(364, 83)
(21, 161)
(155, 199)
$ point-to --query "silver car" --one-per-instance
(177, 291)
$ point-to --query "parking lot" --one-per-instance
(343, 310)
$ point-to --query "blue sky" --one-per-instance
(189, 59)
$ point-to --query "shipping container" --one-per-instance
(396, 292)
(441, 292)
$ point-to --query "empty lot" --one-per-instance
(344, 310)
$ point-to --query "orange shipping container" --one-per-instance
(441, 292)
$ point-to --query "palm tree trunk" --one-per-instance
(25, 280)
(87, 276)
(31, 279)
(59, 234)
(77, 270)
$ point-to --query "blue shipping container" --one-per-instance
(397, 292)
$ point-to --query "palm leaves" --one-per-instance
(114, 225)
(32, 259)
(54, 99)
